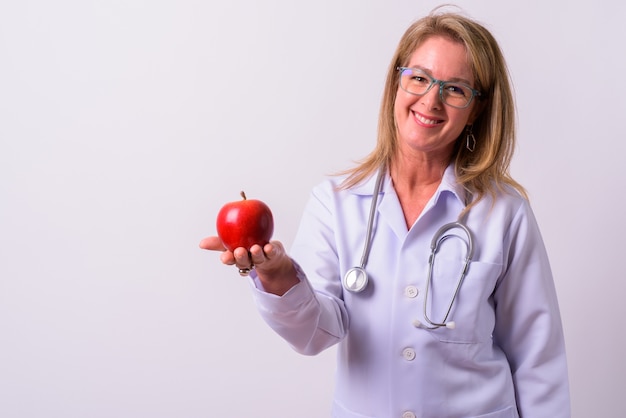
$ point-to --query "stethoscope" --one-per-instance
(356, 279)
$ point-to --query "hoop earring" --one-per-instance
(470, 140)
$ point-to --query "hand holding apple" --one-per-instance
(244, 230)
(244, 223)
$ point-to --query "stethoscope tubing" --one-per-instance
(370, 220)
(438, 238)
(356, 279)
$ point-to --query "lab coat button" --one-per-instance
(408, 354)
(408, 414)
(411, 291)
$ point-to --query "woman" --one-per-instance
(446, 137)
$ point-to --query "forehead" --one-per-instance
(443, 57)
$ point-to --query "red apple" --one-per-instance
(244, 223)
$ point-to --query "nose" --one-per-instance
(432, 98)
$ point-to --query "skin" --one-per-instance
(427, 130)
(273, 266)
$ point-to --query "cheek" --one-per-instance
(461, 120)
(458, 132)
(401, 105)
(396, 112)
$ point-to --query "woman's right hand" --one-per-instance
(274, 267)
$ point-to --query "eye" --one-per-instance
(416, 77)
(456, 90)
(419, 79)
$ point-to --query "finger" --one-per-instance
(227, 258)
(242, 258)
(257, 254)
(273, 250)
(212, 243)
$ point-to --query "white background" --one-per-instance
(126, 124)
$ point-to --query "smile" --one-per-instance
(425, 121)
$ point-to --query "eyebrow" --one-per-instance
(430, 73)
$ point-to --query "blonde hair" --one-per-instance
(486, 169)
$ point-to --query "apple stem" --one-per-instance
(243, 195)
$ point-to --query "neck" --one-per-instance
(414, 175)
(415, 182)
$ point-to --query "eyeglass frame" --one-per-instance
(475, 93)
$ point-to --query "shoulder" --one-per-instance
(505, 204)
(331, 198)
(333, 187)
(324, 196)
(504, 227)
(504, 196)
(327, 190)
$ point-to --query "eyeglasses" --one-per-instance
(416, 81)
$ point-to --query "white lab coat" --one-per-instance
(506, 356)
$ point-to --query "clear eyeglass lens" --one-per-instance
(418, 82)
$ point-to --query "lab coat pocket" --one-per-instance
(471, 312)
(510, 412)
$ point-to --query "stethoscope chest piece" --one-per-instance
(355, 280)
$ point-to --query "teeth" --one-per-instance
(426, 121)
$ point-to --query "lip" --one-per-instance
(426, 121)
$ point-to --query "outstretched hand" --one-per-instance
(274, 267)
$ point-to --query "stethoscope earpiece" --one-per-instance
(418, 324)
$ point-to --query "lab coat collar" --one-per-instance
(366, 188)
(389, 206)
(448, 183)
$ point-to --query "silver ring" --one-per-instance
(246, 271)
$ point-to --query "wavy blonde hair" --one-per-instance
(486, 169)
